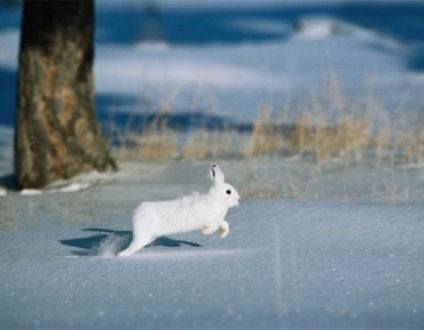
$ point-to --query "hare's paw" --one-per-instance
(207, 230)
(224, 229)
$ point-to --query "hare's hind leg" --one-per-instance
(137, 243)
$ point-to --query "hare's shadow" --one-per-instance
(112, 241)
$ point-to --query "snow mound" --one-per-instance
(31, 192)
(73, 187)
(316, 27)
(76, 184)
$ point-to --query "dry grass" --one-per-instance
(197, 146)
(329, 127)
(265, 137)
(347, 140)
(224, 144)
(205, 144)
(350, 137)
(332, 127)
(261, 185)
(156, 147)
(413, 145)
(155, 143)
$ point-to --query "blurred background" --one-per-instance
(194, 80)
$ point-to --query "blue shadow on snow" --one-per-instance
(89, 246)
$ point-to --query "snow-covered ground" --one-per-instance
(285, 264)
(342, 247)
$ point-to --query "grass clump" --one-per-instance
(348, 139)
(327, 127)
(156, 147)
(265, 137)
(206, 144)
(196, 147)
(153, 142)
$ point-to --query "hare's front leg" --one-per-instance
(224, 229)
(207, 230)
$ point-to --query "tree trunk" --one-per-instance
(57, 135)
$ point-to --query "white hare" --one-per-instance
(203, 212)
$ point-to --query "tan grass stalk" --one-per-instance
(157, 144)
(196, 147)
(265, 138)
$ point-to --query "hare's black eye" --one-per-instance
(228, 192)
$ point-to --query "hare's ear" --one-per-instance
(217, 176)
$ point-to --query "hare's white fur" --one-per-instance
(202, 212)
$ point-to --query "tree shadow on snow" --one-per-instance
(109, 242)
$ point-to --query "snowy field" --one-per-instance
(341, 246)
(285, 264)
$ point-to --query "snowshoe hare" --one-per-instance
(202, 212)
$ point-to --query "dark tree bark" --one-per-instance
(57, 135)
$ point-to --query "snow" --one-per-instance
(326, 27)
(285, 264)
(72, 187)
(342, 250)
(178, 72)
(30, 192)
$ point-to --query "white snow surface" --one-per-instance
(31, 192)
(71, 187)
(285, 264)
